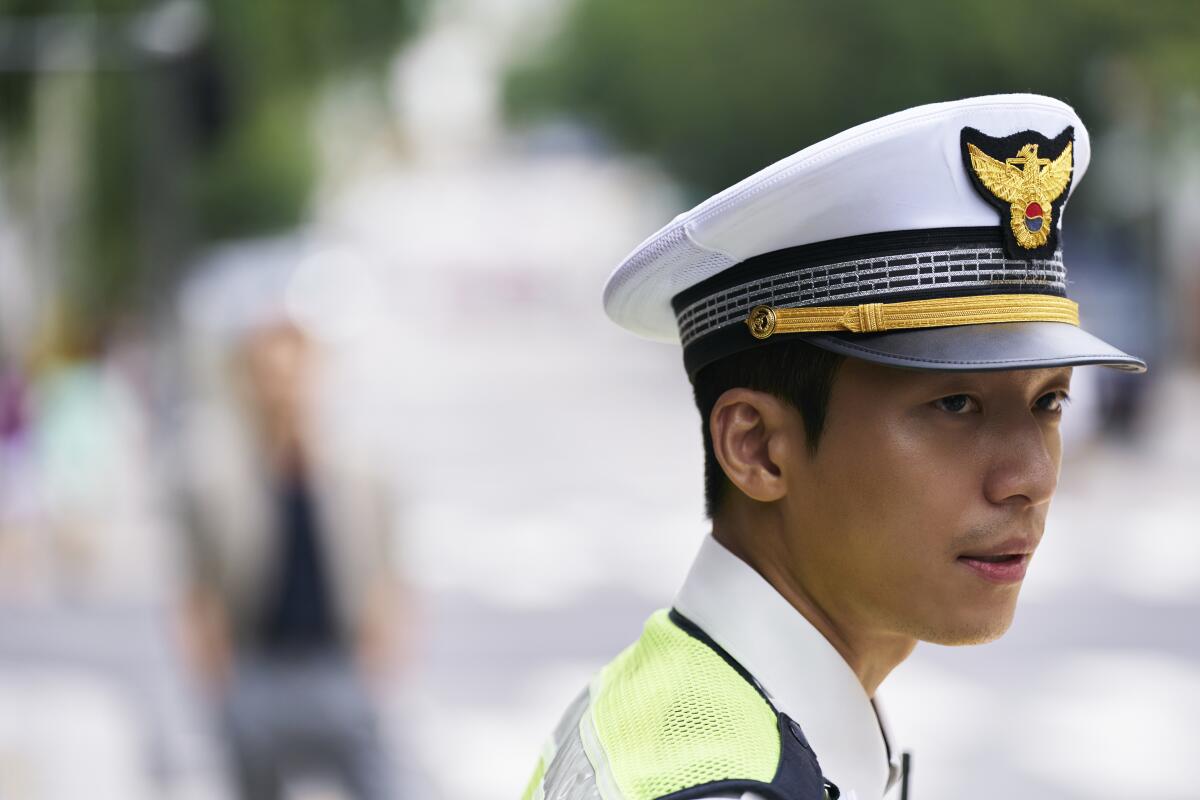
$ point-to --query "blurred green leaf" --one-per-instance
(209, 143)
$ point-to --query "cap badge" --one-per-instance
(1030, 184)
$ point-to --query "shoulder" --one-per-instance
(674, 717)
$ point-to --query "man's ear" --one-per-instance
(755, 438)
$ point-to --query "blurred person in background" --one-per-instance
(291, 614)
(86, 675)
(14, 431)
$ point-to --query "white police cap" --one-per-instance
(929, 239)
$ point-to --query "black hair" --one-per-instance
(792, 370)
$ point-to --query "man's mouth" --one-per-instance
(996, 559)
(1004, 562)
(998, 568)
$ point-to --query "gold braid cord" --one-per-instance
(764, 321)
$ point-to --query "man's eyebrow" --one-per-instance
(1057, 376)
(1063, 374)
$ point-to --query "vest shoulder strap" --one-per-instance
(676, 717)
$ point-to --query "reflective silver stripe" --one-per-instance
(604, 781)
(570, 775)
(549, 751)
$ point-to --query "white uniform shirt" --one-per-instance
(797, 667)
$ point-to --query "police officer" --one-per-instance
(880, 342)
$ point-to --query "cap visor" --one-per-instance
(993, 346)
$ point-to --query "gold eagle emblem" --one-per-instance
(1029, 184)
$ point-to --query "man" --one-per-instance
(880, 343)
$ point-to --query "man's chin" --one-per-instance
(959, 633)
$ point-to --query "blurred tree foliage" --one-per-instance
(197, 120)
(717, 90)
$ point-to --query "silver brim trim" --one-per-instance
(994, 346)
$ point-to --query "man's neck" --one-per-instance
(871, 654)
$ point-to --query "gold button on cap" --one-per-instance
(761, 321)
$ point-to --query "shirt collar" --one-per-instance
(797, 667)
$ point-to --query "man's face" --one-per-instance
(927, 497)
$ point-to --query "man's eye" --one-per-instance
(955, 403)
(1054, 402)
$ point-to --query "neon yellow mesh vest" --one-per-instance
(674, 717)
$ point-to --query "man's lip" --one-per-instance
(1010, 571)
(1009, 547)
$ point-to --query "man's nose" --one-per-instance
(1025, 462)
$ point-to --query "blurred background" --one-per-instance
(322, 474)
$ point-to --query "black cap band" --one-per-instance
(878, 267)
